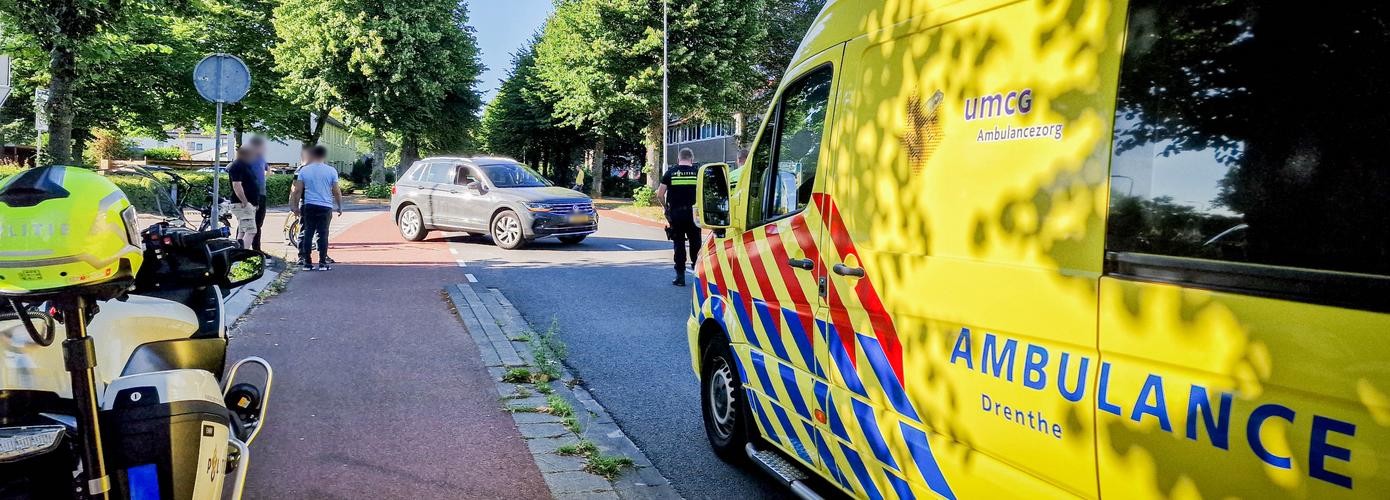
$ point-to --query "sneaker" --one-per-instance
(305, 266)
(325, 267)
(679, 281)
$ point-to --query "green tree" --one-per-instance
(244, 28)
(312, 57)
(65, 32)
(413, 69)
(407, 68)
(601, 61)
(787, 22)
(520, 121)
(132, 76)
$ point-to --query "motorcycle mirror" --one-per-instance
(244, 266)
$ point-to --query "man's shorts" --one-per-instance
(245, 219)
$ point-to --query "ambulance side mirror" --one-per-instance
(712, 196)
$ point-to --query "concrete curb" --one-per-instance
(615, 214)
(493, 324)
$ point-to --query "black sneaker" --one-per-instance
(325, 267)
(679, 281)
(306, 266)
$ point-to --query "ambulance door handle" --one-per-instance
(806, 264)
(844, 270)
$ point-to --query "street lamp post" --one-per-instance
(665, 91)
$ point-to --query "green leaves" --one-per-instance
(601, 60)
(406, 67)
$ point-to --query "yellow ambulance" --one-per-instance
(1060, 248)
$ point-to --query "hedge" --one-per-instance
(141, 191)
(164, 153)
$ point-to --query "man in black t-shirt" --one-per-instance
(247, 191)
(677, 196)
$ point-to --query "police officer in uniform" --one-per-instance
(677, 195)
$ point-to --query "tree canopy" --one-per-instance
(601, 62)
(520, 122)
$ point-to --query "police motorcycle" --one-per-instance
(134, 402)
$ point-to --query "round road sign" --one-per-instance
(222, 78)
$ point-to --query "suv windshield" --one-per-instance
(513, 175)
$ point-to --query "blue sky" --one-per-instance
(503, 27)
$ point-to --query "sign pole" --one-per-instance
(216, 167)
(220, 79)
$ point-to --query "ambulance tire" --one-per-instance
(722, 403)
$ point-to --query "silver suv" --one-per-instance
(495, 196)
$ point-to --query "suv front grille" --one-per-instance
(572, 208)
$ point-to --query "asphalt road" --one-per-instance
(612, 302)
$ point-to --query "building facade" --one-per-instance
(712, 141)
(342, 145)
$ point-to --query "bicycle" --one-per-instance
(294, 234)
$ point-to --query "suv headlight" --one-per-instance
(539, 207)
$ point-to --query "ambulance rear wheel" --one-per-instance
(723, 403)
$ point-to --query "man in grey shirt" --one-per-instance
(317, 186)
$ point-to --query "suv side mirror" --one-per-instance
(474, 186)
(243, 266)
(712, 196)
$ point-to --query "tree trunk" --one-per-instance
(316, 127)
(237, 134)
(598, 170)
(410, 151)
(62, 66)
(379, 157)
(740, 123)
(656, 151)
(79, 144)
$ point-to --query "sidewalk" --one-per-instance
(379, 392)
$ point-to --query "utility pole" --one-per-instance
(665, 92)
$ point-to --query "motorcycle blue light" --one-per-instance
(143, 481)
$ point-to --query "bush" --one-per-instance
(108, 145)
(277, 189)
(379, 191)
(165, 153)
(8, 168)
(347, 186)
(618, 186)
(390, 176)
(643, 197)
(361, 171)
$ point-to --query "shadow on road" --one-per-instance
(590, 244)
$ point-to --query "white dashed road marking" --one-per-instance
(471, 278)
(462, 263)
(453, 250)
(624, 247)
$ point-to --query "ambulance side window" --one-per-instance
(795, 137)
(757, 179)
(1249, 154)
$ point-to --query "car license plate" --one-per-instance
(580, 219)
